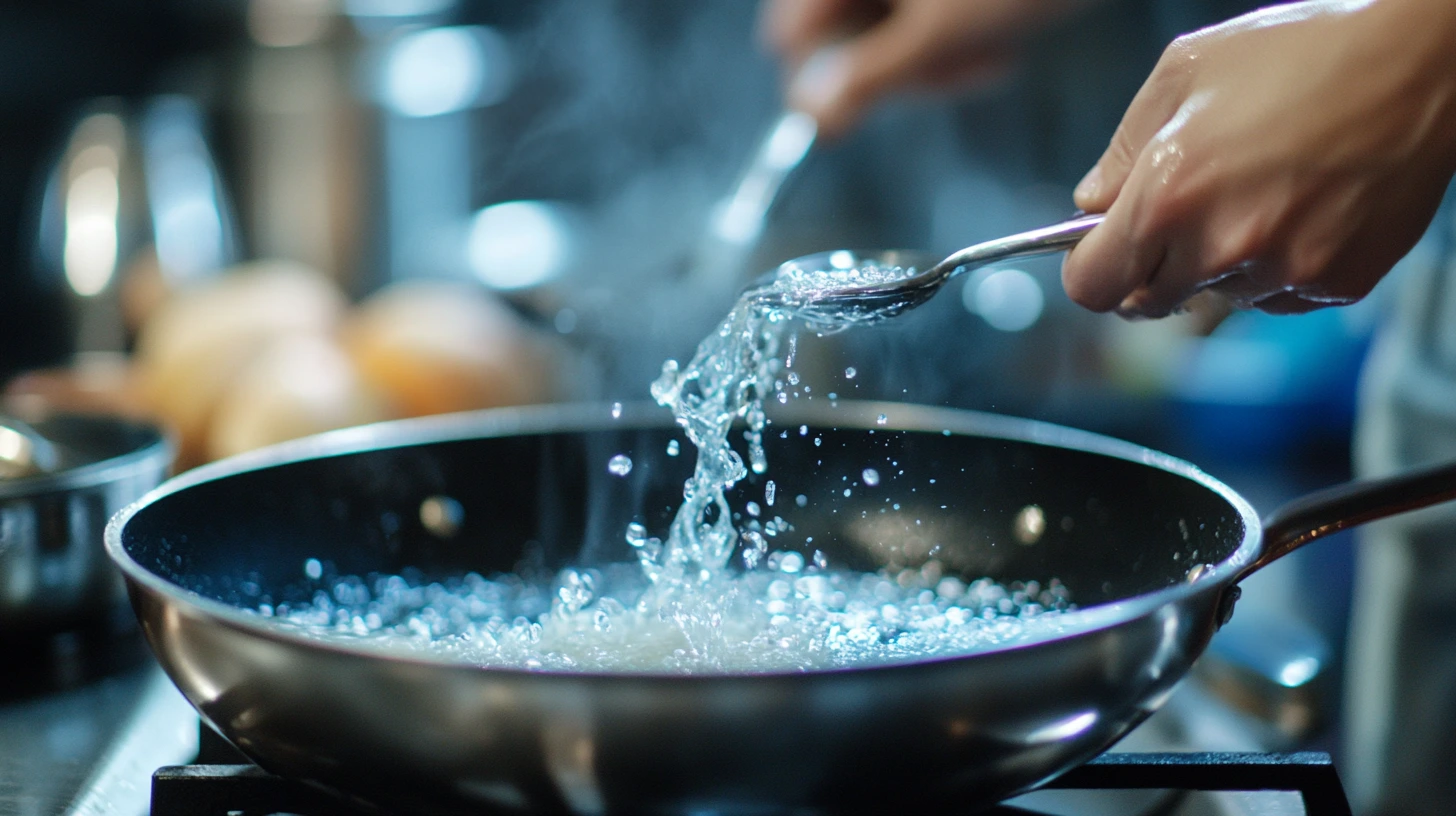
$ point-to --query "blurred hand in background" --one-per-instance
(843, 56)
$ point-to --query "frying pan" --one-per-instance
(1150, 547)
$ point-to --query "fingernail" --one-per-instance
(819, 82)
(1132, 308)
(1090, 184)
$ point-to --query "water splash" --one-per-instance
(686, 611)
(734, 369)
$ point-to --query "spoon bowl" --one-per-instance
(837, 287)
(845, 287)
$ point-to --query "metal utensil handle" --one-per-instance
(1040, 241)
(1327, 511)
(1060, 236)
(23, 451)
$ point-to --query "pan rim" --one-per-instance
(566, 417)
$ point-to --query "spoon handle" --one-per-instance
(1040, 241)
(23, 451)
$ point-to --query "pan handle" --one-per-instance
(1327, 511)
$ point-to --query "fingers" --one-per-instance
(1155, 105)
(839, 83)
(1168, 285)
(1114, 260)
(797, 28)
(894, 46)
(847, 54)
(1133, 262)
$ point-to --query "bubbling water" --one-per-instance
(688, 609)
(795, 617)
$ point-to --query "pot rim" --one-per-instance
(157, 449)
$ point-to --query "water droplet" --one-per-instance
(753, 509)
(833, 395)
(313, 568)
(636, 534)
(791, 563)
(849, 373)
(820, 559)
(803, 430)
(673, 449)
(768, 492)
(818, 441)
(847, 491)
(881, 419)
(783, 398)
(616, 410)
(620, 465)
(870, 477)
(801, 500)
(793, 378)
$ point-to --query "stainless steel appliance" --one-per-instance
(1151, 547)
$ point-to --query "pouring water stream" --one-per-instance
(786, 609)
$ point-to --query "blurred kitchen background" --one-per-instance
(257, 219)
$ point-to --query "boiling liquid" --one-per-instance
(689, 611)
(755, 621)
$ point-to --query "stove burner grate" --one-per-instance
(247, 790)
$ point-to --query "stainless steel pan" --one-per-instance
(1151, 548)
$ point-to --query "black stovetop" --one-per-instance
(223, 784)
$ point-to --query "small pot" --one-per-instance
(54, 572)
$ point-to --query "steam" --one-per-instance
(641, 116)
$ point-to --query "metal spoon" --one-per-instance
(865, 303)
(739, 219)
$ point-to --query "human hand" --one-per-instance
(844, 55)
(1287, 159)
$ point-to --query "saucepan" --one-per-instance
(1150, 548)
(63, 476)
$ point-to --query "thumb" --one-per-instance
(1156, 103)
